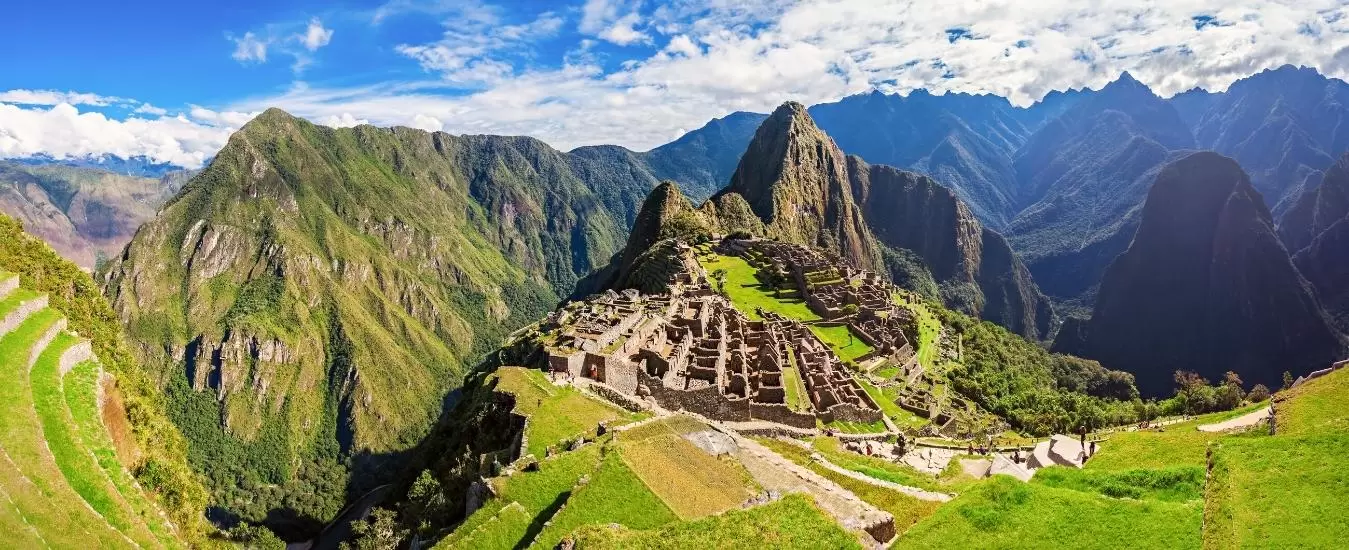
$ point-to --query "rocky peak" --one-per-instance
(795, 179)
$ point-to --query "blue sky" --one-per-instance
(171, 80)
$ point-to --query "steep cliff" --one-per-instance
(1317, 229)
(316, 292)
(1206, 286)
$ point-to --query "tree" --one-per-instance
(719, 276)
(254, 537)
(379, 531)
(1258, 393)
(850, 309)
(1287, 380)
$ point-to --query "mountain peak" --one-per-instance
(1126, 81)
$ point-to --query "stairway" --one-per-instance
(61, 483)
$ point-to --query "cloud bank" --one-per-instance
(638, 72)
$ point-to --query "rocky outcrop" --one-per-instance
(1317, 228)
(1205, 286)
(795, 179)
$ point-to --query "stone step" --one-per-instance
(9, 282)
(18, 307)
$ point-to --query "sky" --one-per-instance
(172, 80)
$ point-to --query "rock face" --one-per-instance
(83, 213)
(1205, 286)
(794, 184)
(327, 287)
(795, 179)
(1317, 228)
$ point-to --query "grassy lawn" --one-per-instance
(1180, 445)
(80, 389)
(793, 522)
(15, 297)
(556, 413)
(880, 468)
(857, 427)
(747, 293)
(897, 414)
(76, 463)
(1178, 484)
(1005, 513)
(929, 329)
(1315, 407)
(691, 482)
(847, 346)
(795, 387)
(906, 509)
(614, 495)
(1278, 491)
(503, 530)
(887, 372)
(44, 498)
(538, 494)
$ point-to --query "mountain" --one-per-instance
(794, 184)
(965, 141)
(1205, 286)
(1317, 229)
(703, 160)
(312, 297)
(83, 213)
(1284, 126)
(138, 166)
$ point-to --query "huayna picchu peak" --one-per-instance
(609, 274)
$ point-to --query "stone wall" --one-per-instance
(618, 398)
(76, 354)
(568, 363)
(46, 340)
(621, 375)
(8, 285)
(706, 401)
(847, 412)
(16, 317)
(781, 414)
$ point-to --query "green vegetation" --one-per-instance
(557, 413)
(1005, 513)
(76, 463)
(890, 471)
(1280, 491)
(929, 328)
(1175, 484)
(844, 343)
(857, 427)
(794, 387)
(1317, 407)
(793, 522)
(161, 469)
(690, 481)
(897, 414)
(749, 294)
(613, 495)
(1178, 445)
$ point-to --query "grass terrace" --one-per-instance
(614, 495)
(1277, 491)
(557, 413)
(1315, 407)
(792, 522)
(1179, 445)
(886, 401)
(690, 481)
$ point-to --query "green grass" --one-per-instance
(1005, 513)
(80, 389)
(906, 509)
(556, 413)
(842, 341)
(883, 469)
(502, 531)
(795, 387)
(1316, 407)
(899, 415)
(690, 481)
(16, 297)
(614, 495)
(539, 495)
(747, 293)
(1280, 491)
(929, 329)
(35, 484)
(1177, 484)
(857, 427)
(793, 522)
(76, 463)
(1180, 445)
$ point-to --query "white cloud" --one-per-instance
(428, 123)
(249, 48)
(344, 120)
(315, 36)
(62, 131)
(615, 21)
(623, 31)
(148, 109)
(52, 97)
(476, 45)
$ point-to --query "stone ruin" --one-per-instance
(690, 349)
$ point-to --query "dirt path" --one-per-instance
(914, 492)
(1243, 421)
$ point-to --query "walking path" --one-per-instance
(920, 494)
(1246, 420)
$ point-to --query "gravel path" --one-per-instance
(1243, 421)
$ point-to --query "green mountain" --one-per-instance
(83, 213)
(311, 297)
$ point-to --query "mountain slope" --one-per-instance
(84, 213)
(1317, 228)
(1206, 286)
(316, 292)
(703, 160)
(1285, 126)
